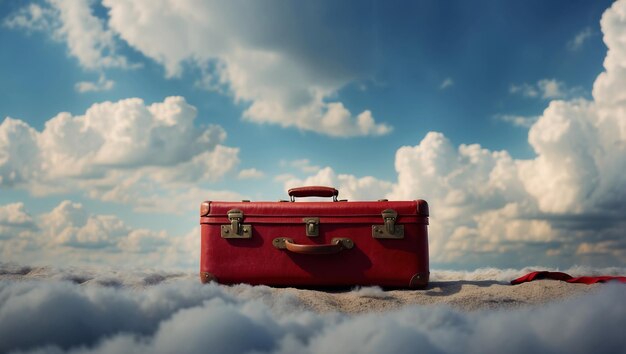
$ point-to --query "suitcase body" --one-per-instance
(338, 243)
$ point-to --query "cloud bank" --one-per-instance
(185, 316)
(70, 235)
(125, 152)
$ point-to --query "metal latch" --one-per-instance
(389, 229)
(236, 229)
(312, 226)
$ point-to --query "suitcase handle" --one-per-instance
(313, 191)
(336, 245)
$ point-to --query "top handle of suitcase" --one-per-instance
(313, 191)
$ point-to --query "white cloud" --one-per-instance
(74, 23)
(509, 227)
(183, 315)
(69, 224)
(262, 63)
(303, 165)
(206, 166)
(568, 201)
(258, 55)
(32, 18)
(608, 89)
(86, 36)
(551, 88)
(569, 165)
(19, 152)
(448, 82)
(283, 177)
(15, 221)
(71, 235)
(337, 121)
(547, 89)
(524, 89)
(122, 151)
(581, 37)
(461, 185)
(350, 187)
(146, 196)
(14, 215)
(518, 121)
(250, 173)
(103, 84)
(486, 203)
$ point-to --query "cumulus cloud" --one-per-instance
(561, 188)
(349, 186)
(587, 139)
(87, 37)
(303, 165)
(488, 208)
(31, 18)
(474, 193)
(479, 205)
(103, 84)
(69, 224)
(14, 220)
(259, 56)
(155, 198)
(185, 316)
(123, 151)
(18, 139)
(70, 234)
(608, 89)
(250, 173)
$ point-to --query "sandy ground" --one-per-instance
(463, 295)
(466, 295)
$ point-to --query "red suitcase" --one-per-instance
(337, 243)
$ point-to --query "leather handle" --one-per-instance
(313, 191)
(336, 245)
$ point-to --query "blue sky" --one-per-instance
(378, 99)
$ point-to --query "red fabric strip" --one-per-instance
(566, 277)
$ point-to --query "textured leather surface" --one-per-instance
(384, 262)
(271, 219)
(329, 209)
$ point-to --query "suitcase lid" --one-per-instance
(330, 212)
(326, 209)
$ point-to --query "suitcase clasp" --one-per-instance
(389, 229)
(236, 229)
(312, 226)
